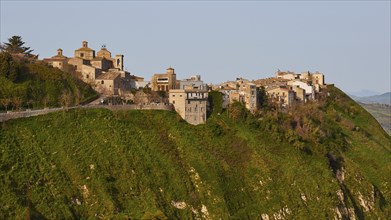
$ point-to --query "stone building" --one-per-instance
(241, 90)
(194, 82)
(104, 73)
(249, 91)
(300, 93)
(191, 104)
(306, 86)
(286, 75)
(164, 81)
(281, 95)
(85, 52)
(317, 80)
(58, 60)
(109, 83)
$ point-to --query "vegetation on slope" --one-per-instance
(28, 83)
(316, 161)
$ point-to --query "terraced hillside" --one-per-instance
(322, 160)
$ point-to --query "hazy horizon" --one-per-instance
(220, 40)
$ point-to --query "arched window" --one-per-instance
(102, 82)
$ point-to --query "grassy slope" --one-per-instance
(136, 163)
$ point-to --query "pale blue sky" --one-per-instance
(220, 40)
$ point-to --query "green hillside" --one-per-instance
(319, 161)
(34, 84)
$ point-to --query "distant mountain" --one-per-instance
(382, 113)
(381, 99)
(363, 93)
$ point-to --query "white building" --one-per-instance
(309, 89)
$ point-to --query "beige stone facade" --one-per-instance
(190, 104)
(164, 81)
(300, 93)
(250, 96)
(101, 63)
(103, 72)
(89, 73)
(109, 83)
(104, 53)
(58, 60)
(281, 95)
(241, 90)
(85, 52)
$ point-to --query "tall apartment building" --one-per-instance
(190, 100)
(250, 96)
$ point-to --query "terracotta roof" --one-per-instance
(85, 49)
(59, 57)
(108, 76)
(54, 59)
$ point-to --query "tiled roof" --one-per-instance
(59, 57)
(108, 75)
(85, 49)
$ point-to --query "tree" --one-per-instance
(8, 67)
(237, 111)
(15, 45)
(262, 98)
(66, 99)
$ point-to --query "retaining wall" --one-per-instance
(29, 113)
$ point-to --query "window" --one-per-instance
(180, 95)
(173, 102)
(162, 79)
(87, 76)
(173, 95)
(81, 54)
(188, 102)
(102, 82)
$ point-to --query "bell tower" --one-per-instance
(85, 44)
(119, 62)
(59, 52)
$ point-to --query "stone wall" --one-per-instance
(29, 113)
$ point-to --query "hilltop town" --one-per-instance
(290, 141)
(189, 96)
